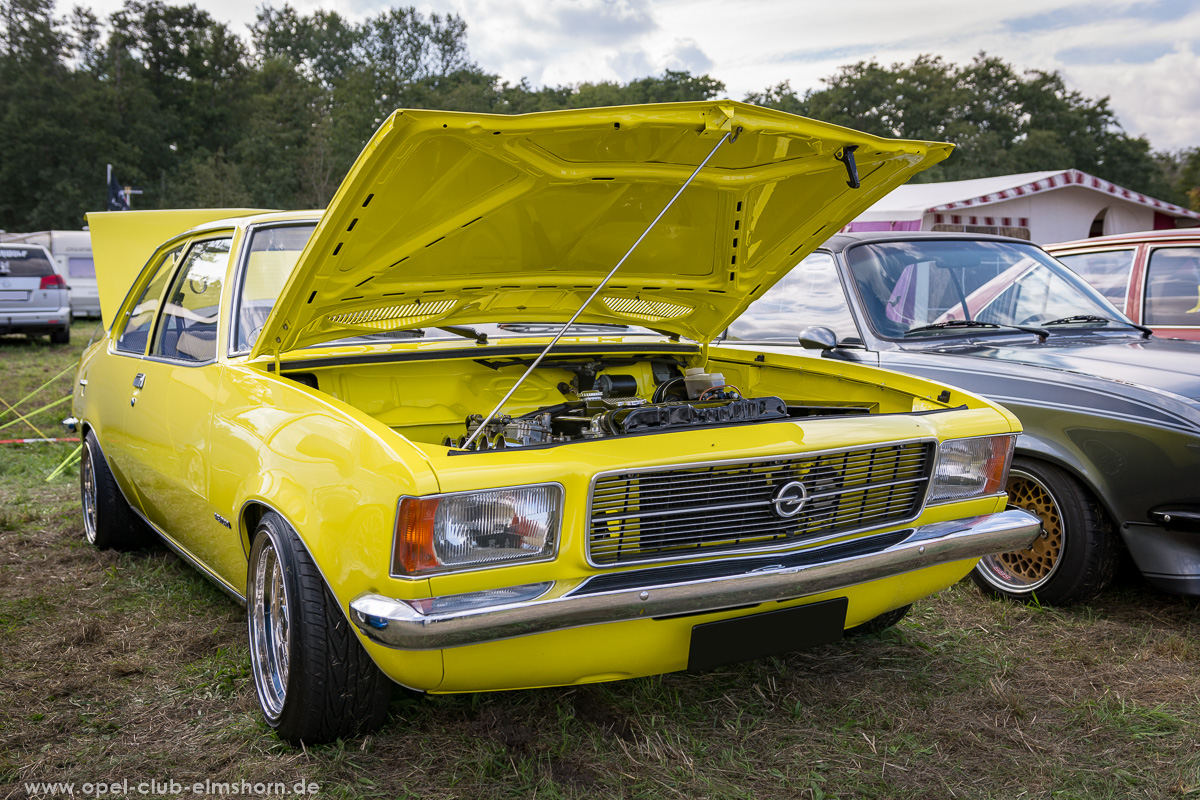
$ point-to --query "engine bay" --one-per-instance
(576, 398)
(602, 401)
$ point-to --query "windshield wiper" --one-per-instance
(1097, 318)
(549, 327)
(1041, 333)
(465, 332)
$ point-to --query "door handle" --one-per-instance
(139, 380)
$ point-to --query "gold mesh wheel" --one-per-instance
(1023, 571)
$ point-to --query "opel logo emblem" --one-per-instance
(789, 499)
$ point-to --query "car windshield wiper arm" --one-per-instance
(1097, 318)
(465, 332)
(1041, 333)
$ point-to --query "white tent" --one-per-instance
(1044, 207)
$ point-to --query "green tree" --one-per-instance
(1000, 121)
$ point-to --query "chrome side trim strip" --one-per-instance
(395, 623)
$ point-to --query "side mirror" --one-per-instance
(818, 337)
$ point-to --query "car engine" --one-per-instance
(612, 407)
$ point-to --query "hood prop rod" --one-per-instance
(479, 430)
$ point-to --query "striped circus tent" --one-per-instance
(1043, 207)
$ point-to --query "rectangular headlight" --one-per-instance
(969, 468)
(476, 529)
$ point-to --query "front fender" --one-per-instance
(334, 474)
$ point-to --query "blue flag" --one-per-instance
(117, 201)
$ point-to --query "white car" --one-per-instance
(33, 297)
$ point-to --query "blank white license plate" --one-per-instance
(11, 295)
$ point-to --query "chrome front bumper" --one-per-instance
(399, 624)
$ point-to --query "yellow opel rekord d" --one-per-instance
(462, 430)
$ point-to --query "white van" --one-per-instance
(71, 252)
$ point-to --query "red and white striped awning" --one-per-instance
(964, 198)
(1070, 177)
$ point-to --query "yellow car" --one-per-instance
(462, 430)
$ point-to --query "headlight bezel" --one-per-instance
(414, 551)
(993, 476)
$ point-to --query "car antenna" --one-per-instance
(729, 136)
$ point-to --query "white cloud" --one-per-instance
(1141, 52)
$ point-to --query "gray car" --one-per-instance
(33, 297)
(1110, 456)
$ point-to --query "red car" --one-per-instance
(1152, 276)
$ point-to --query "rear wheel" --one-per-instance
(61, 336)
(108, 521)
(315, 682)
(1076, 555)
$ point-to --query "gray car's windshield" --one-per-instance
(924, 288)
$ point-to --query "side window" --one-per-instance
(1107, 271)
(137, 327)
(188, 330)
(1173, 287)
(810, 294)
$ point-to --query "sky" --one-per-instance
(1143, 54)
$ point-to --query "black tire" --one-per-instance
(61, 336)
(315, 682)
(879, 624)
(1077, 554)
(108, 521)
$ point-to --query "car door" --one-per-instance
(1171, 293)
(108, 399)
(169, 416)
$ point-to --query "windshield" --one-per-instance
(270, 259)
(908, 286)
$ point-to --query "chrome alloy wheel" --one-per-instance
(87, 485)
(270, 631)
(1024, 571)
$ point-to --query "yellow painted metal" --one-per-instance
(335, 471)
(455, 218)
(241, 438)
(123, 241)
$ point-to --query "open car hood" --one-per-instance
(452, 218)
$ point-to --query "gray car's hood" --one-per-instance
(1170, 365)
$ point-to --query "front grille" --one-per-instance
(681, 512)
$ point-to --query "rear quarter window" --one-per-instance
(24, 262)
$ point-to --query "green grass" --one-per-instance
(132, 665)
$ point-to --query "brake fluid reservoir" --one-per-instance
(697, 380)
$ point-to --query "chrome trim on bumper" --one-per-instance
(397, 624)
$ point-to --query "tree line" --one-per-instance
(196, 115)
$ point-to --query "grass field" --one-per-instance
(132, 667)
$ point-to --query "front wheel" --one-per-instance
(315, 683)
(1075, 557)
(879, 624)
